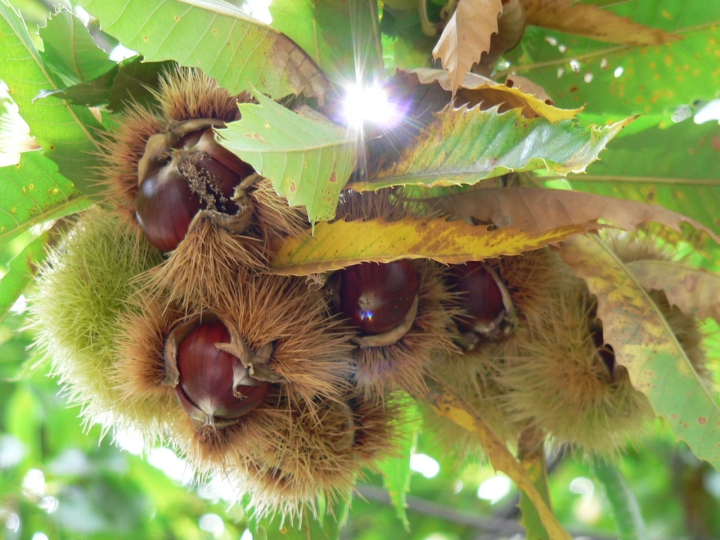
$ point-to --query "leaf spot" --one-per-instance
(333, 178)
(702, 420)
(293, 187)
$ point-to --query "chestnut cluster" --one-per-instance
(249, 373)
(287, 388)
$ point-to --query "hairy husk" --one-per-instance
(533, 280)
(205, 267)
(315, 452)
(311, 352)
(404, 364)
(555, 380)
(82, 292)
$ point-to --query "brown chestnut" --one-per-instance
(205, 387)
(481, 298)
(376, 297)
(197, 174)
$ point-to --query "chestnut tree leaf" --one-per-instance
(67, 134)
(694, 291)
(511, 27)
(476, 89)
(340, 244)
(338, 34)
(465, 146)
(33, 191)
(680, 170)
(21, 272)
(446, 403)
(396, 469)
(235, 49)
(308, 161)
(70, 50)
(644, 343)
(592, 22)
(130, 81)
(531, 454)
(466, 36)
(625, 507)
(616, 81)
(538, 210)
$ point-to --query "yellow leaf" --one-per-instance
(447, 403)
(340, 244)
(644, 343)
(476, 89)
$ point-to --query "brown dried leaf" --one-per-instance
(538, 210)
(340, 244)
(696, 292)
(511, 27)
(592, 22)
(467, 36)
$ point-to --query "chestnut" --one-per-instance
(481, 299)
(376, 297)
(206, 387)
(181, 175)
(605, 351)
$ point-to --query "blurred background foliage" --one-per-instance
(61, 480)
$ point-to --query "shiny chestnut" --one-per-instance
(205, 387)
(197, 174)
(376, 297)
(481, 299)
(605, 351)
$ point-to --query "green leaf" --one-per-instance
(339, 35)
(308, 160)
(21, 272)
(70, 50)
(465, 146)
(23, 418)
(32, 192)
(131, 81)
(66, 133)
(652, 81)
(622, 501)
(679, 169)
(237, 50)
(645, 344)
(396, 470)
